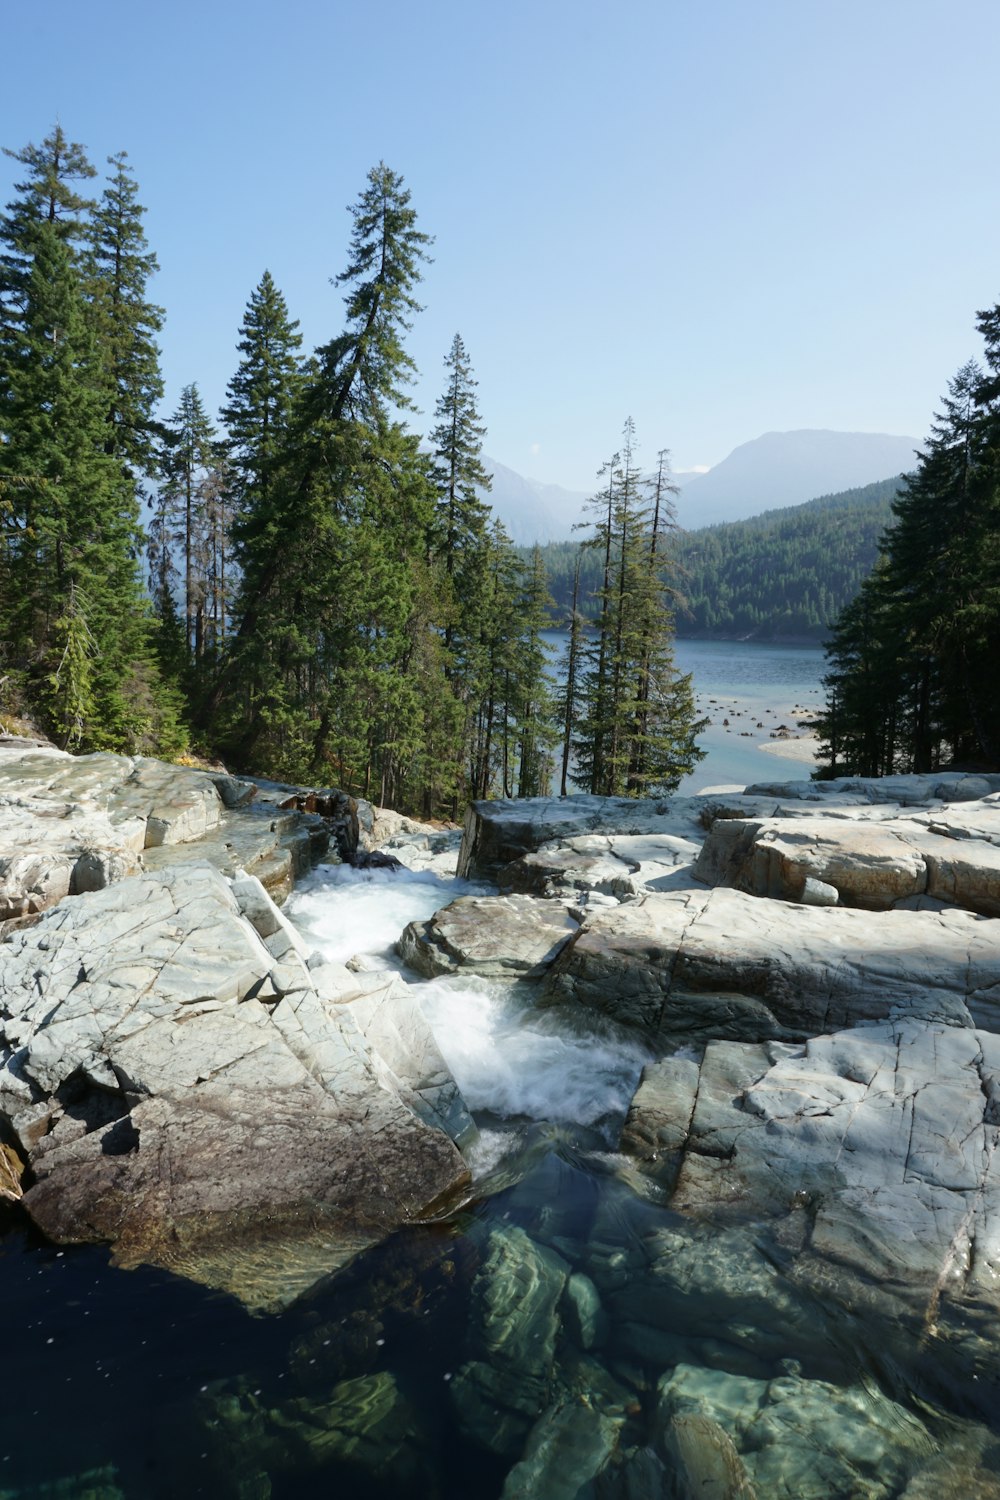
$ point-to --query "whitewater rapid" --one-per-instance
(510, 1059)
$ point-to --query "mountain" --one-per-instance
(769, 473)
(532, 511)
(784, 575)
(789, 468)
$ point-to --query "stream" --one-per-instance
(566, 1290)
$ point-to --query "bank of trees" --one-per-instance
(783, 574)
(299, 583)
(913, 659)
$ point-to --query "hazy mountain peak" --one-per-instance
(767, 473)
(788, 468)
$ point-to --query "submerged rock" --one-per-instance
(789, 1438)
(514, 1321)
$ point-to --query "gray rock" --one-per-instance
(496, 936)
(721, 963)
(887, 1137)
(873, 866)
(499, 832)
(73, 824)
(163, 1108)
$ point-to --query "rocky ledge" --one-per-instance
(178, 1077)
(816, 969)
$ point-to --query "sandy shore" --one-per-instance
(801, 747)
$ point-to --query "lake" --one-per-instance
(746, 689)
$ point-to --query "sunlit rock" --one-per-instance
(887, 1139)
(722, 964)
(870, 865)
(200, 1106)
(495, 936)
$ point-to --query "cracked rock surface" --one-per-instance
(181, 1088)
(72, 824)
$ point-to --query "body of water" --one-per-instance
(746, 690)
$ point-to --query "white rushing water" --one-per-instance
(507, 1057)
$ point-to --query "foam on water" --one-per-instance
(511, 1059)
(345, 912)
(507, 1057)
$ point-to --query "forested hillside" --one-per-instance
(784, 574)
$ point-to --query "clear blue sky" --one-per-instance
(721, 218)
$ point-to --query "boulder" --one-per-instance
(872, 866)
(723, 964)
(182, 1094)
(496, 936)
(885, 1137)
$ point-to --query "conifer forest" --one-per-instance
(304, 583)
(307, 584)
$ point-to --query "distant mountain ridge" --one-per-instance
(530, 510)
(789, 468)
(773, 471)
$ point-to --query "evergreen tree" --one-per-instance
(534, 701)
(460, 517)
(636, 727)
(189, 471)
(913, 658)
(258, 413)
(118, 267)
(75, 621)
(46, 196)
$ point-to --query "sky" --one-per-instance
(721, 217)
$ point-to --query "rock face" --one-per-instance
(71, 824)
(181, 1088)
(874, 866)
(720, 963)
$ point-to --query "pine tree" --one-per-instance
(189, 467)
(118, 266)
(258, 413)
(76, 610)
(460, 517)
(636, 726)
(913, 657)
(533, 694)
